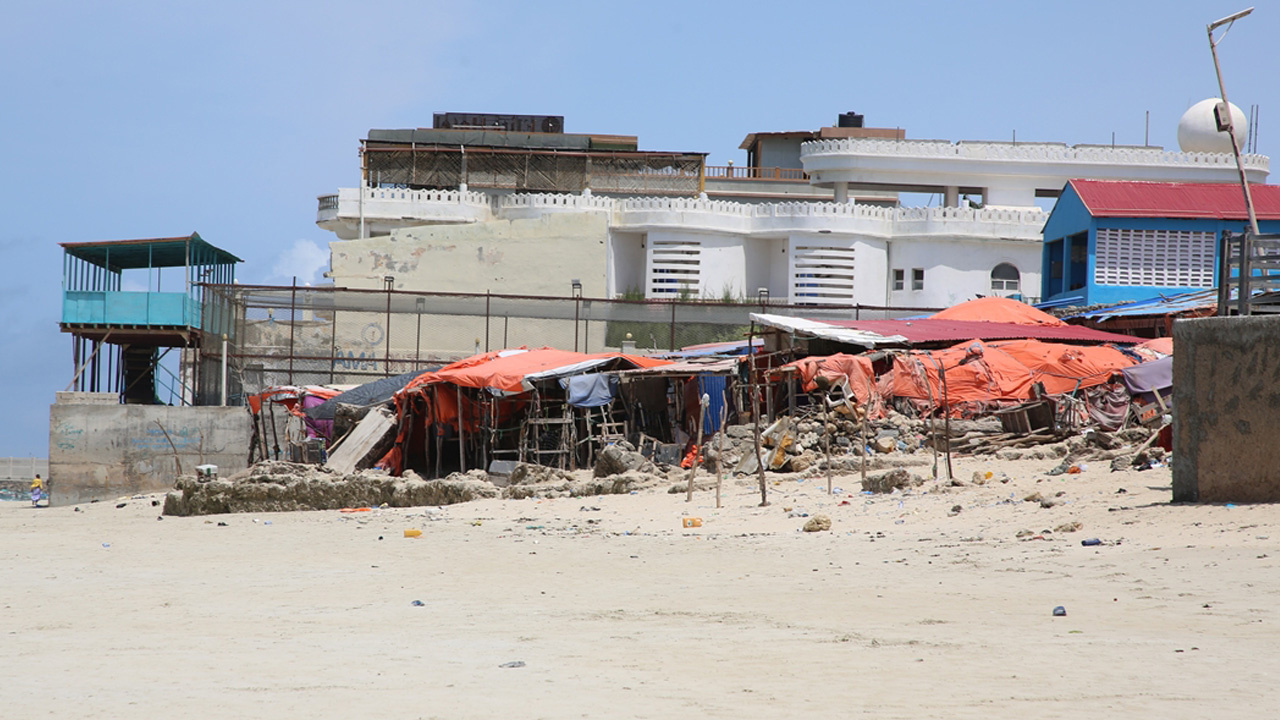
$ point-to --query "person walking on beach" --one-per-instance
(37, 491)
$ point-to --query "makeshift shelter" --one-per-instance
(319, 416)
(663, 402)
(505, 404)
(1151, 385)
(297, 433)
(854, 373)
(988, 375)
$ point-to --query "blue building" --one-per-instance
(1110, 241)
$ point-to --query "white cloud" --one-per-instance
(304, 260)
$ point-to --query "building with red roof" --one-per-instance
(1111, 241)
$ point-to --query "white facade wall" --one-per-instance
(800, 252)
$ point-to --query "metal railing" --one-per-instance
(732, 172)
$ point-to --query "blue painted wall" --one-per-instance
(1070, 218)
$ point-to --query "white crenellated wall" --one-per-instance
(1009, 173)
(803, 252)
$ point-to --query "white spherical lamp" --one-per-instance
(1198, 129)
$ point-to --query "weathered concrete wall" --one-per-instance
(1226, 410)
(102, 451)
(534, 257)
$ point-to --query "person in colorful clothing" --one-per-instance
(38, 492)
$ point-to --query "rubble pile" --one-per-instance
(797, 445)
(276, 486)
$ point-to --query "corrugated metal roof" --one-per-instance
(827, 330)
(1221, 201)
(1161, 305)
(929, 330)
(691, 366)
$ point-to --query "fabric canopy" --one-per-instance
(1154, 376)
(379, 390)
(1005, 371)
(1000, 310)
(1161, 345)
(595, 390)
(855, 370)
(1065, 368)
(974, 374)
(515, 372)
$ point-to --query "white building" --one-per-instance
(842, 240)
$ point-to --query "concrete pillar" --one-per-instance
(951, 196)
(842, 192)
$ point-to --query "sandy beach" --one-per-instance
(906, 608)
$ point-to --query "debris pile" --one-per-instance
(277, 486)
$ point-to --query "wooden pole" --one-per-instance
(946, 415)
(435, 429)
(755, 418)
(720, 454)
(866, 415)
(826, 436)
(462, 454)
(933, 421)
(697, 447)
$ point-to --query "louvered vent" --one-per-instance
(1162, 258)
(674, 268)
(822, 275)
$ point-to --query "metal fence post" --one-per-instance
(673, 325)
(293, 315)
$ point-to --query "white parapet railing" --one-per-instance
(554, 201)
(1029, 151)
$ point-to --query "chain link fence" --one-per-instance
(332, 336)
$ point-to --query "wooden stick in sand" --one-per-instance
(866, 413)
(720, 454)
(826, 435)
(697, 447)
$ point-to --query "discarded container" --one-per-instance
(691, 522)
(1091, 542)
(413, 532)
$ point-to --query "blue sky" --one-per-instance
(150, 119)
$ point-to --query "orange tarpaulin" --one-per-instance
(997, 309)
(1162, 345)
(1065, 368)
(505, 371)
(973, 374)
(855, 369)
(289, 395)
(1004, 371)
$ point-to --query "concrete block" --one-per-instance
(1226, 399)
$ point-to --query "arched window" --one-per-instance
(1005, 277)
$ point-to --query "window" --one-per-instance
(899, 279)
(1005, 277)
(917, 279)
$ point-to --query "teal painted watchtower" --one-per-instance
(119, 333)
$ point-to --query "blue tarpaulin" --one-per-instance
(712, 386)
(589, 391)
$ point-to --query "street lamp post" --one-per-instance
(1226, 123)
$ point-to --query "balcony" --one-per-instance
(131, 309)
